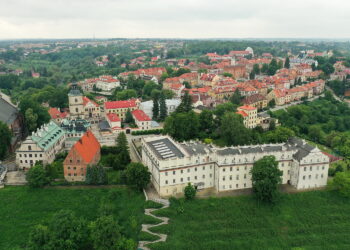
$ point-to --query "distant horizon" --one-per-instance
(181, 19)
(344, 39)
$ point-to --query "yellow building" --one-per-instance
(250, 115)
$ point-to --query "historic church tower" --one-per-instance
(76, 106)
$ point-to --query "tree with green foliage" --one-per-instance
(190, 192)
(162, 106)
(252, 75)
(31, 120)
(226, 74)
(182, 126)
(287, 63)
(105, 233)
(123, 157)
(341, 183)
(138, 175)
(95, 175)
(264, 68)
(186, 103)
(129, 118)
(5, 138)
(221, 109)
(126, 94)
(67, 231)
(232, 130)
(36, 117)
(272, 103)
(37, 177)
(155, 108)
(206, 123)
(39, 238)
(265, 178)
(236, 98)
(256, 69)
(273, 67)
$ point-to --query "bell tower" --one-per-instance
(76, 106)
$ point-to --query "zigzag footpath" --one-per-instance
(146, 227)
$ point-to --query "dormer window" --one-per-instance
(29, 147)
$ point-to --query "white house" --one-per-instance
(41, 145)
(142, 120)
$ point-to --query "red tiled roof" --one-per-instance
(121, 104)
(140, 115)
(247, 107)
(87, 147)
(86, 100)
(113, 117)
(240, 112)
(55, 113)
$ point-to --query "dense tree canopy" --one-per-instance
(265, 178)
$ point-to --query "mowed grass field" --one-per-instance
(310, 220)
(21, 208)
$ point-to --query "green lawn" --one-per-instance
(21, 208)
(310, 220)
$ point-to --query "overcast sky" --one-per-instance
(174, 19)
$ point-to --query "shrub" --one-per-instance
(147, 132)
(190, 192)
(37, 177)
(341, 182)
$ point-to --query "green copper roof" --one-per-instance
(47, 135)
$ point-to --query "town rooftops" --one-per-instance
(75, 126)
(247, 107)
(121, 104)
(55, 113)
(140, 115)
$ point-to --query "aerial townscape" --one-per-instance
(197, 142)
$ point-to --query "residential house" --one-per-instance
(143, 121)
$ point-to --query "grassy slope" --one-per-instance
(21, 208)
(312, 220)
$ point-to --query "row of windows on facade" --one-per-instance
(92, 109)
(246, 160)
(310, 177)
(75, 174)
(310, 168)
(74, 135)
(188, 170)
(188, 179)
(30, 155)
(237, 186)
(74, 168)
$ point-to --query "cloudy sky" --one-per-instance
(174, 19)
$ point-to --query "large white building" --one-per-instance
(171, 105)
(41, 145)
(172, 165)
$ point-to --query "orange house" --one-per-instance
(84, 153)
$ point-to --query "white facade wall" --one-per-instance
(230, 172)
